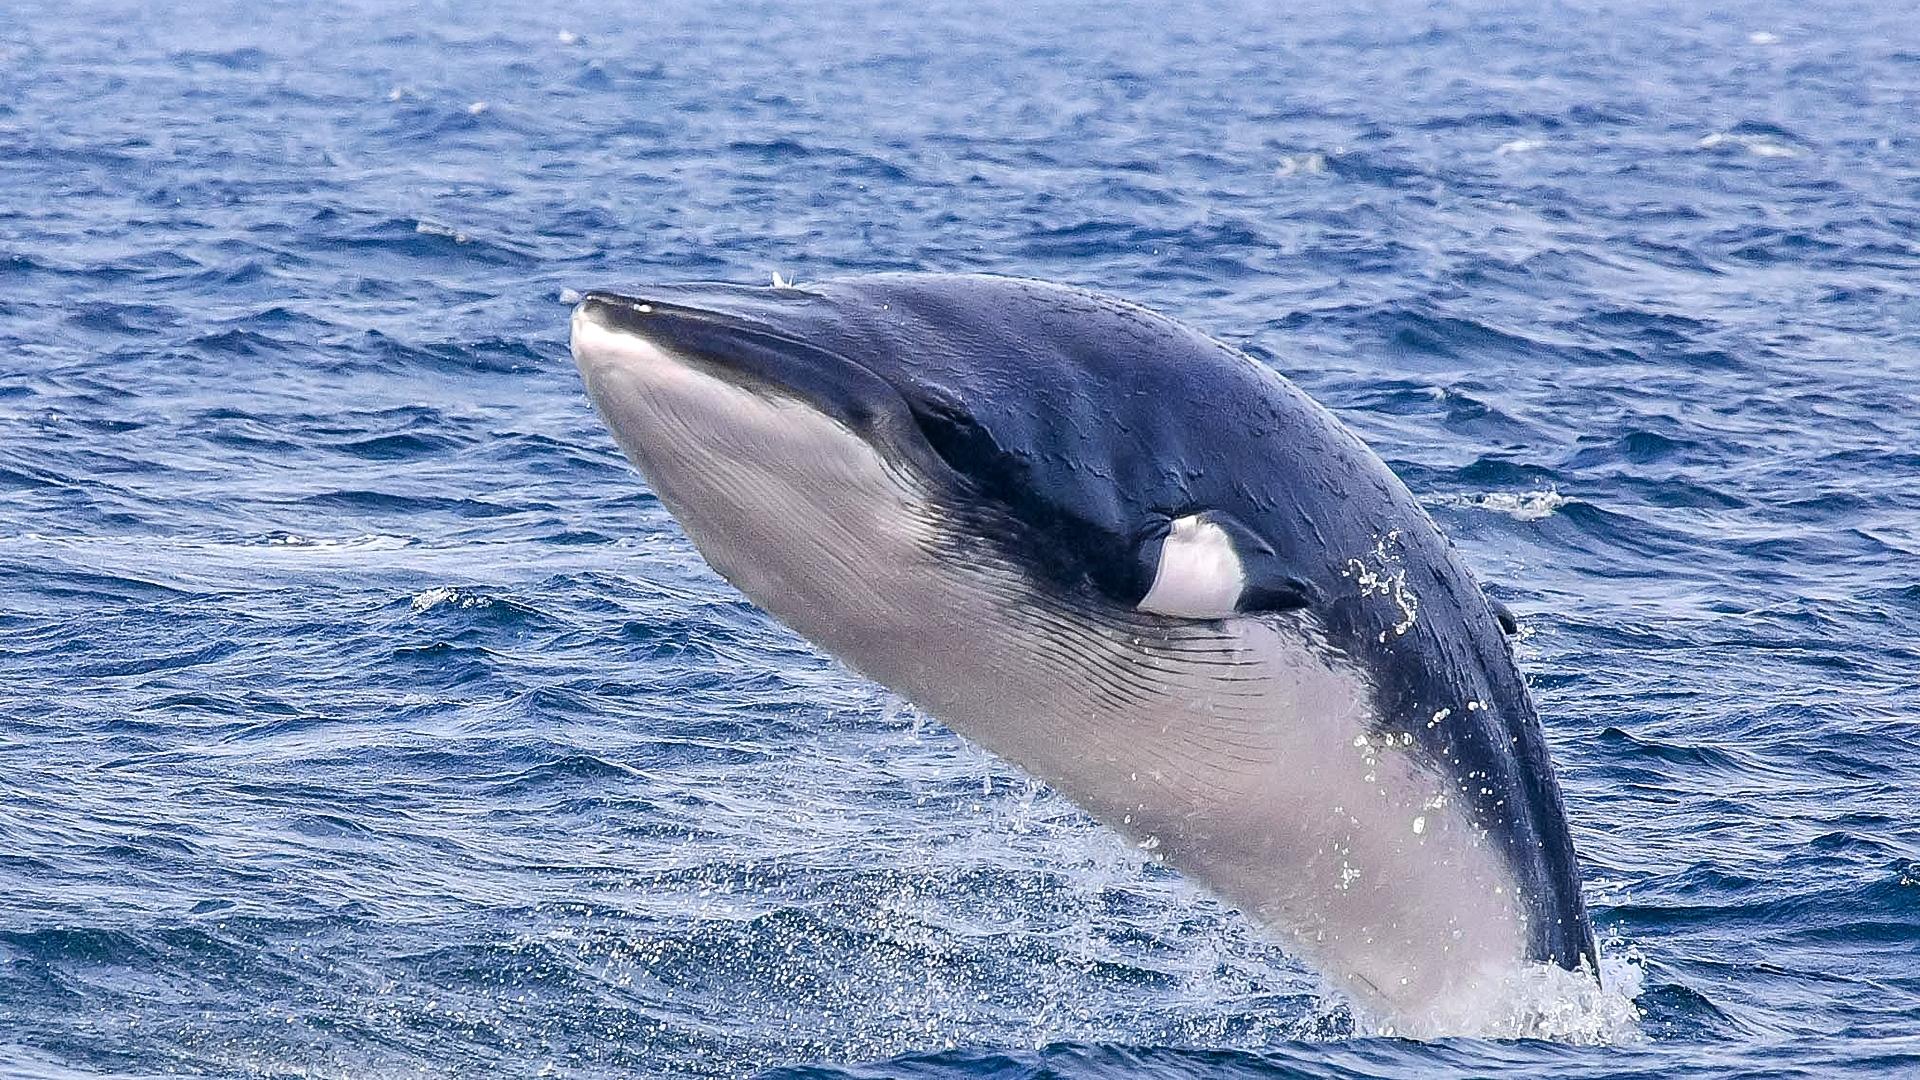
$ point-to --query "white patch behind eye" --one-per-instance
(1200, 576)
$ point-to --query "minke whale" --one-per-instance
(1142, 567)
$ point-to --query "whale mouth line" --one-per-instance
(667, 325)
(750, 354)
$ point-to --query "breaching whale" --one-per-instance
(1142, 567)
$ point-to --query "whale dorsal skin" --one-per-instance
(1142, 567)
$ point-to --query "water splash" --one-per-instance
(449, 596)
(1520, 506)
(1546, 1002)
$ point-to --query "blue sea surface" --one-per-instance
(363, 715)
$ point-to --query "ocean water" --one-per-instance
(363, 715)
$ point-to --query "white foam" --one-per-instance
(1546, 1001)
(1520, 506)
(449, 596)
(1758, 145)
(145, 546)
(1520, 146)
(434, 228)
(1302, 165)
(1380, 573)
(364, 542)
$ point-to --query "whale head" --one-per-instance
(1145, 569)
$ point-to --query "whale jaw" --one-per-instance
(788, 504)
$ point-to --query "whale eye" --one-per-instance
(1199, 575)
